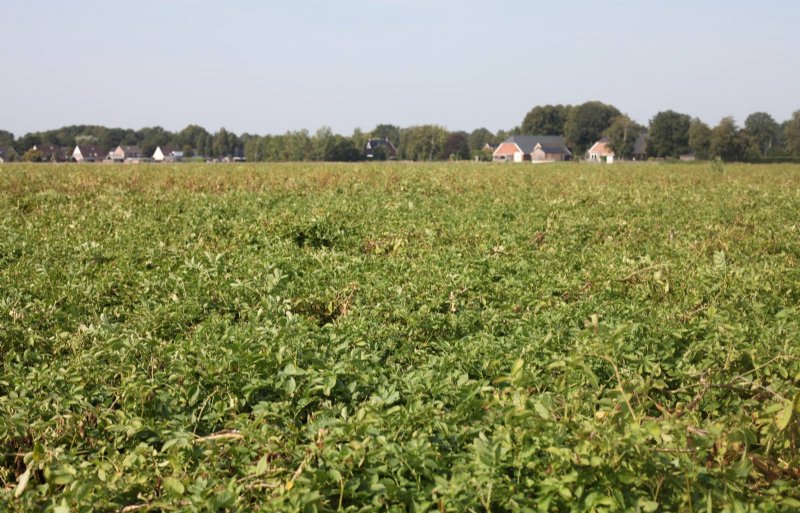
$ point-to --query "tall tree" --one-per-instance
(731, 144)
(669, 134)
(764, 129)
(546, 120)
(479, 138)
(424, 142)
(152, 137)
(224, 143)
(791, 134)
(385, 131)
(622, 136)
(342, 149)
(197, 138)
(6, 138)
(359, 139)
(321, 143)
(456, 146)
(586, 123)
(699, 138)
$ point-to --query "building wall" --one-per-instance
(505, 151)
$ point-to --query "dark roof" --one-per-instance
(374, 144)
(169, 149)
(549, 143)
(640, 146)
(91, 152)
(52, 152)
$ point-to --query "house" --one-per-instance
(7, 154)
(532, 148)
(126, 154)
(640, 148)
(51, 153)
(600, 152)
(380, 149)
(168, 153)
(88, 154)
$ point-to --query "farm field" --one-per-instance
(400, 337)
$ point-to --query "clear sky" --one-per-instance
(271, 66)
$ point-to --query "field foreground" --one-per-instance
(399, 337)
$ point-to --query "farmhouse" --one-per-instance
(88, 154)
(51, 153)
(167, 153)
(532, 148)
(380, 149)
(600, 152)
(126, 154)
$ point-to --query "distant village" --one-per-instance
(516, 148)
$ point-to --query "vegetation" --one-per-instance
(669, 136)
(392, 337)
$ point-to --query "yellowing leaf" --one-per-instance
(784, 417)
(22, 482)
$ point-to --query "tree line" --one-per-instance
(669, 134)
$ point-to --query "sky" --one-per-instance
(271, 66)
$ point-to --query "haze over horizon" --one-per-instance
(269, 67)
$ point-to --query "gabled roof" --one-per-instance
(51, 152)
(90, 151)
(374, 144)
(601, 148)
(169, 149)
(549, 143)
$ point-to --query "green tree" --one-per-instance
(424, 142)
(791, 134)
(224, 143)
(321, 143)
(456, 146)
(385, 131)
(731, 144)
(586, 123)
(197, 138)
(342, 149)
(546, 120)
(359, 139)
(151, 138)
(479, 138)
(669, 134)
(699, 138)
(764, 129)
(6, 138)
(622, 136)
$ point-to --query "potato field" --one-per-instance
(400, 337)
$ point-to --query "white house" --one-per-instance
(87, 154)
(600, 152)
(167, 154)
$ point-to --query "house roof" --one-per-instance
(52, 152)
(601, 148)
(92, 151)
(169, 149)
(129, 149)
(549, 143)
(373, 144)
